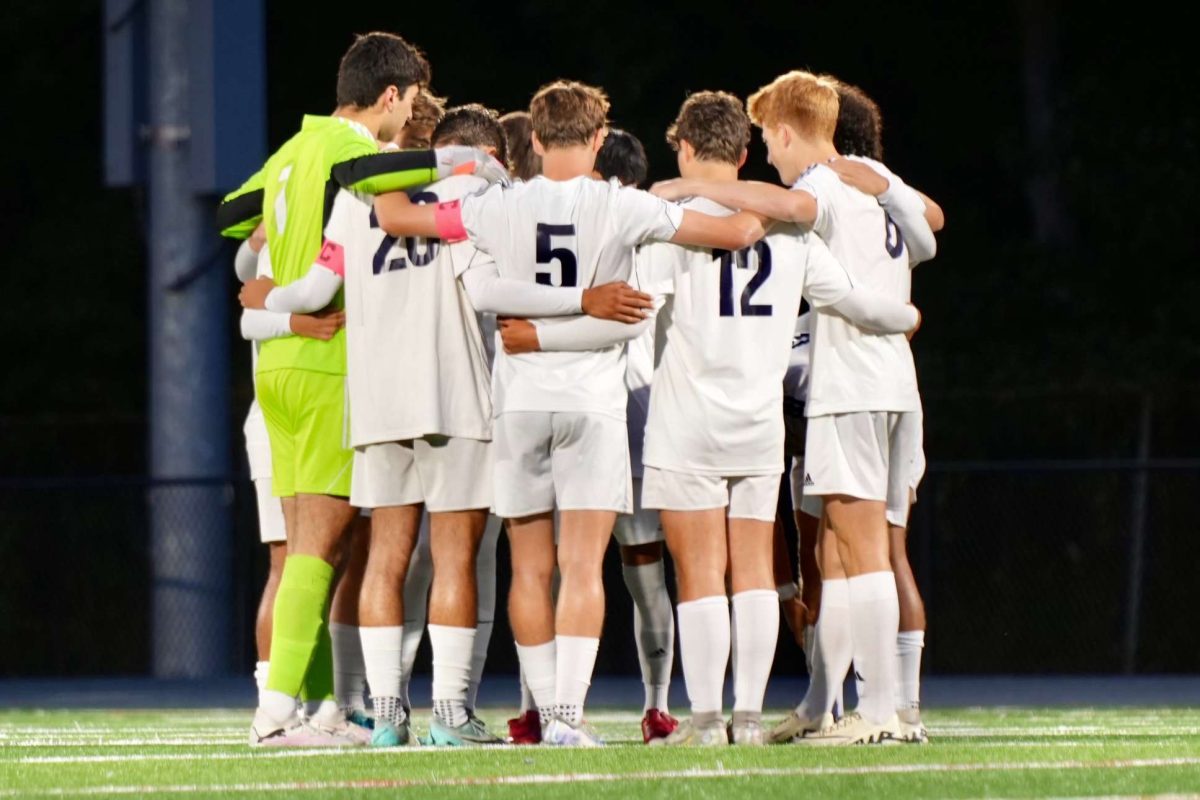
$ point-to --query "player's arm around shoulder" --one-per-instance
(766, 199)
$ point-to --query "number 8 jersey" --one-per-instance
(579, 232)
(728, 320)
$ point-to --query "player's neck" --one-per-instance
(817, 153)
(710, 171)
(565, 163)
(363, 116)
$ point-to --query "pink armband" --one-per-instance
(448, 219)
(333, 258)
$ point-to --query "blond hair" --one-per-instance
(807, 102)
(568, 113)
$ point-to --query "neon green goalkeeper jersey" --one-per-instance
(295, 184)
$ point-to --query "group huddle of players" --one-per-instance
(463, 321)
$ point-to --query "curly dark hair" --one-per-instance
(859, 124)
(623, 157)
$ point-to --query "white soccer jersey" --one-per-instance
(853, 370)
(799, 369)
(579, 232)
(718, 386)
(639, 369)
(416, 363)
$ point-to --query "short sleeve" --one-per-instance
(642, 217)
(338, 229)
(825, 279)
(485, 218)
(464, 256)
(812, 183)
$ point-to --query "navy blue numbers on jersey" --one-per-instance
(548, 253)
(741, 258)
(419, 250)
(893, 239)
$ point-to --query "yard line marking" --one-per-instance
(592, 777)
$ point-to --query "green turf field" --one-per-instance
(973, 753)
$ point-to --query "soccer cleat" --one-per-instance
(657, 724)
(747, 733)
(854, 729)
(526, 729)
(298, 733)
(689, 735)
(471, 733)
(912, 730)
(388, 734)
(563, 734)
(361, 718)
(794, 726)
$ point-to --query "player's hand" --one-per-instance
(461, 160)
(859, 175)
(674, 189)
(519, 335)
(916, 327)
(322, 325)
(616, 301)
(795, 614)
(254, 293)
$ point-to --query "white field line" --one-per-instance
(586, 777)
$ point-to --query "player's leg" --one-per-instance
(349, 670)
(456, 479)
(524, 498)
(416, 606)
(755, 599)
(693, 513)
(907, 467)
(387, 482)
(273, 533)
(485, 607)
(641, 540)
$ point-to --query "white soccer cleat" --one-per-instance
(688, 734)
(912, 730)
(854, 729)
(795, 726)
(747, 733)
(563, 734)
(297, 732)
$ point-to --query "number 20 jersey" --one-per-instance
(415, 354)
(728, 321)
(579, 232)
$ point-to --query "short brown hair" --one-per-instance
(427, 111)
(714, 124)
(568, 113)
(472, 125)
(373, 63)
(523, 163)
(859, 124)
(807, 102)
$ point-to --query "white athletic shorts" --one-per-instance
(810, 504)
(271, 527)
(571, 461)
(872, 455)
(746, 496)
(258, 445)
(640, 527)
(445, 473)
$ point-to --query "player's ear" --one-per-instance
(742, 158)
(598, 140)
(537, 144)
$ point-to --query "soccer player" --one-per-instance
(523, 161)
(623, 158)
(560, 416)
(428, 110)
(863, 399)
(714, 437)
(300, 382)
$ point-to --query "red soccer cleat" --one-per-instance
(526, 729)
(658, 725)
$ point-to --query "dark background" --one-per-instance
(1060, 138)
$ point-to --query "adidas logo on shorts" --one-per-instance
(808, 481)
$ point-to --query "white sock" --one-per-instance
(277, 706)
(483, 637)
(261, 669)
(538, 665)
(381, 653)
(833, 650)
(410, 644)
(908, 656)
(527, 701)
(756, 626)
(452, 649)
(704, 650)
(576, 660)
(874, 625)
(653, 629)
(349, 670)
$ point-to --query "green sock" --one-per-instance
(298, 621)
(318, 681)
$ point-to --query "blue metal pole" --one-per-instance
(191, 525)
